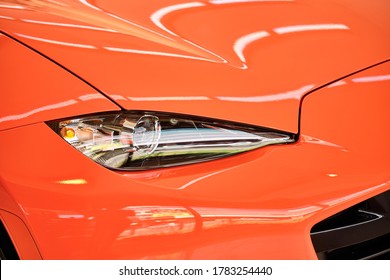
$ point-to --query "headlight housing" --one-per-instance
(137, 140)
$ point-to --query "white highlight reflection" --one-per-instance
(85, 2)
(139, 26)
(294, 94)
(242, 42)
(91, 96)
(37, 110)
(317, 141)
(338, 83)
(218, 2)
(71, 216)
(59, 3)
(57, 42)
(11, 7)
(117, 97)
(206, 212)
(73, 182)
(204, 177)
(5, 17)
(371, 79)
(157, 220)
(310, 27)
(170, 98)
(156, 53)
(159, 14)
(68, 25)
(343, 199)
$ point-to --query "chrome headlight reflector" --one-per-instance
(144, 140)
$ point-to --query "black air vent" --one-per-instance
(359, 232)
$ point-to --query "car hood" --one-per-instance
(248, 61)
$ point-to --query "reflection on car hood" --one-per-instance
(244, 60)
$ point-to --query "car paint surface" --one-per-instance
(257, 205)
(36, 89)
(261, 204)
(259, 56)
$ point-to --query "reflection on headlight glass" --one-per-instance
(139, 140)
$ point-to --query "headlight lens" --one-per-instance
(146, 140)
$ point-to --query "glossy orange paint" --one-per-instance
(259, 56)
(261, 204)
(21, 237)
(36, 89)
(257, 205)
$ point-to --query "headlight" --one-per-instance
(145, 140)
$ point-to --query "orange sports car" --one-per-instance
(204, 129)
